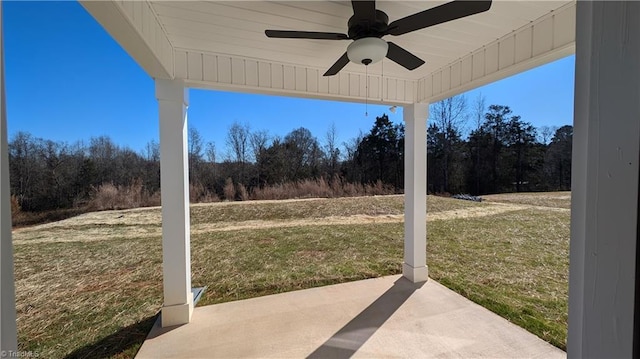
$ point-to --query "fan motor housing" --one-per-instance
(359, 27)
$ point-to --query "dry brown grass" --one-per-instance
(70, 294)
(243, 194)
(229, 190)
(23, 219)
(108, 196)
(544, 199)
(15, 206)
(230, 216)
(90, 286)
(320, 188)
(198, 193)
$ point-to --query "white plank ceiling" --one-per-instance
(222, 45)
(237, 28)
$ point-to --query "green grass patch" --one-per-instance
(515, 264)
(244, 264)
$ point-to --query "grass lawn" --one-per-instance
(90, 286)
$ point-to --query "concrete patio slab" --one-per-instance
(382, 317)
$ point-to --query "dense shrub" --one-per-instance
(320, 188)
(15, 206)
(229, 190)
(198, 193)
(242, 192)
(108, 196)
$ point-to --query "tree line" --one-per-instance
(499, 152)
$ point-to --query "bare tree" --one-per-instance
(258, 142)
(151, 151)
(450, 113)
(331, 146)
(211, 152)
(238, 146)
(151, 176)
(479, 107)
(351, 146)
(449, 117)
(238, 142)
(351, 152)
(546, 134)
(102, 148)
(195, 156)
(303, 153)
(209, 177)
(195, 144)
(103, 152)
(23, 164)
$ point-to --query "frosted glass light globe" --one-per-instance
(367, 50)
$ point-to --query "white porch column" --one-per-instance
(414, 267)
(174, 182)
(8, 333)
(606, 154)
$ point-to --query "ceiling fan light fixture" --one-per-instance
(368, 25)
(367, 50)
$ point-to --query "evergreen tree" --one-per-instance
(380, 155)
(520, 138)
(558, 159)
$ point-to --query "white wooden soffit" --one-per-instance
(136, 27)
(549, 38)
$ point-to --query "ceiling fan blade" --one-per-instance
(437, 15)
(286, 34)
(365, 10)
(339, 65)
(403, 57)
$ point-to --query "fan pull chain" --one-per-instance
(381, 88)
(366, 90)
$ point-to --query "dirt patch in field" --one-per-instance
(129, 217)
(145, 223)
(542, 199)
(75, 234)
(472, 212)
(326, 221)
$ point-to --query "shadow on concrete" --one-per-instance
(128, 338)
(157, 329)
(345, 342)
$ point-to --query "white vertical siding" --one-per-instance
(209, 70)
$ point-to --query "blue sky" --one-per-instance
(67, 80)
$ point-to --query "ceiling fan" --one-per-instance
(368, 25)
